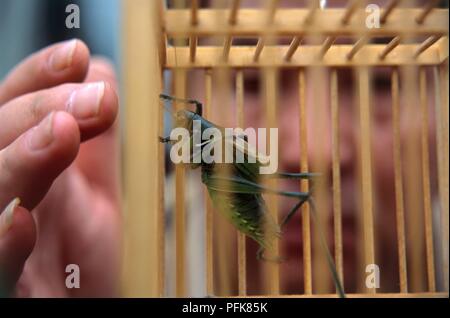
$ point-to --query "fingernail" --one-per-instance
(7, 216)
(42, 135)
(62, 57)
(85, 102)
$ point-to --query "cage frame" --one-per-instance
(144, 270)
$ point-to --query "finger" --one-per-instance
(101, 69)
(98, 158)
(30, 164)
(93, 105)
(17, 239)
(54, 65)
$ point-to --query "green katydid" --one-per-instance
(236, 189)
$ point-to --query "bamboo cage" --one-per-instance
(186, 37)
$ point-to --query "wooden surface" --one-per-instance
(144, 217)
(398, 172)
(337, 55)
(142, 234)
(287, 22)
(304, 187)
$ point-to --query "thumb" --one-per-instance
(17, 239)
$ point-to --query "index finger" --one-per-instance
(57, 64)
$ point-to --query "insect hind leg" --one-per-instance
(293, 211)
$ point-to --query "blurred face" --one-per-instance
(319, 144)
(320, 151)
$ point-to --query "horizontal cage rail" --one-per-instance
(291, 22)
(309, 55)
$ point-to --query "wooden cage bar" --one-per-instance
(442, 100)
(426, 11)
(366, 166)
(209, 217)
(287, 22)
(398, 172)
(370, 55)
(143, 209)
(144, 272)
(336, 182)
(358, 45)
(179, 86)
(313, 6)
(388, 10)
(350, 10)
(233, 17)
(241, 238)
(391, 46)
(270, 102)
(321, 277)
(306, 218)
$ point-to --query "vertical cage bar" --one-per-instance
(242, 276)
(306, 218)
(193, 39)
(319, 163)
(337, 215)
(400, 216)
(426, 181)
(366, 165)
(209, 219)
(143, 207)
(413, 182)
(180, 213)
(442, 133)
(270, 102)
(225, 250)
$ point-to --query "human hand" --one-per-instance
(59, 155)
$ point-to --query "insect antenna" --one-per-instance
(198, 105)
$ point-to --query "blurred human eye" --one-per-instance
(381, 85)
(252, 82)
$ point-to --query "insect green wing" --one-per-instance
(240, 202)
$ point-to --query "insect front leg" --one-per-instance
(164, 140)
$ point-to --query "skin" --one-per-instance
(70, 186)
